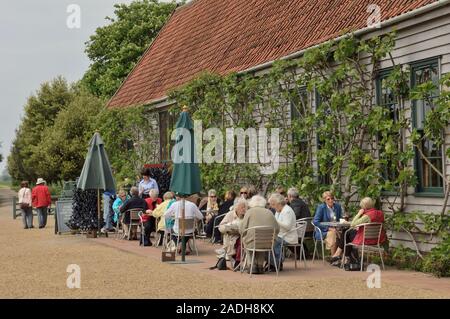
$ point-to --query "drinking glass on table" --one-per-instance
(346, 216)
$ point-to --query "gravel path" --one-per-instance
(34, 264)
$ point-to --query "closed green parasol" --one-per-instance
(96, 173)
(186, 173)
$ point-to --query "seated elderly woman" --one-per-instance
(329, 211)
(211, 206)
(120, 200)
(224, 208)
(367, 214)
(229, 227)
(257, 215)
(159, 211)
(285, 217)
(147, 219)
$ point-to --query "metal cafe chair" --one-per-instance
(189, 223)
(370, 231)
(135, 219)
(264, 239)
(300, 228)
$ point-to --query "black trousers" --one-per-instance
(149, 227)
(161, 237)
(214, 232)
(349, 251)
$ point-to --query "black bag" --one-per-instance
(352, 266)
(24, 206)
(221, 264)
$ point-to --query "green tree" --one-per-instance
(115, 48)
(40, 113)
(61, 153)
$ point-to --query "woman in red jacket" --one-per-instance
(41, 200)
(147, 219)
(367, 214)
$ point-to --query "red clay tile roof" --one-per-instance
(226, 36)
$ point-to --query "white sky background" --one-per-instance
(36, 46)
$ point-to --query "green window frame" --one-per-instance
(299, 99)
(428, 180)
(324, 179)
(386, 98)
(166, 124)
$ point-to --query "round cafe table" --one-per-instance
(336, 224)
(341, 228)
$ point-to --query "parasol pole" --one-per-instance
(183, 216)
(183, 230)
(98, 211)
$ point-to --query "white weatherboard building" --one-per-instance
(247, 36)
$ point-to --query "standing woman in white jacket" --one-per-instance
(285, 217)
(25, 205)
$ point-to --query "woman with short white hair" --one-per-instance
(147, 218)
(285, 218)
(257, 215)
(159, 211)
(257, 201)
(367, 214)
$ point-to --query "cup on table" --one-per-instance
(342, 220)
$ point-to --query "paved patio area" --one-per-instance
(316, 270)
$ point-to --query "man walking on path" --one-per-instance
(41, 200)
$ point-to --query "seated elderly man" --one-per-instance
(134, 202)
(229, 227)
(257, 215)
(299, 207)
(285, 218)
(191, 211)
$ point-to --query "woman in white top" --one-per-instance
(25, 205)
(146, 184)
(285, 217)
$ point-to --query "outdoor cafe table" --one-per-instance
(336, 224)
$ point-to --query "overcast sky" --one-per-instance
(35, 46)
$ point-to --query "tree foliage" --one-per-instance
(114, 49)
(55, 150)
(61, 153)
(41, 110)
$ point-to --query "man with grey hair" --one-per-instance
(299, 207)
(257, 215)
(134, 202)
(301, 210)
(286, 220)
